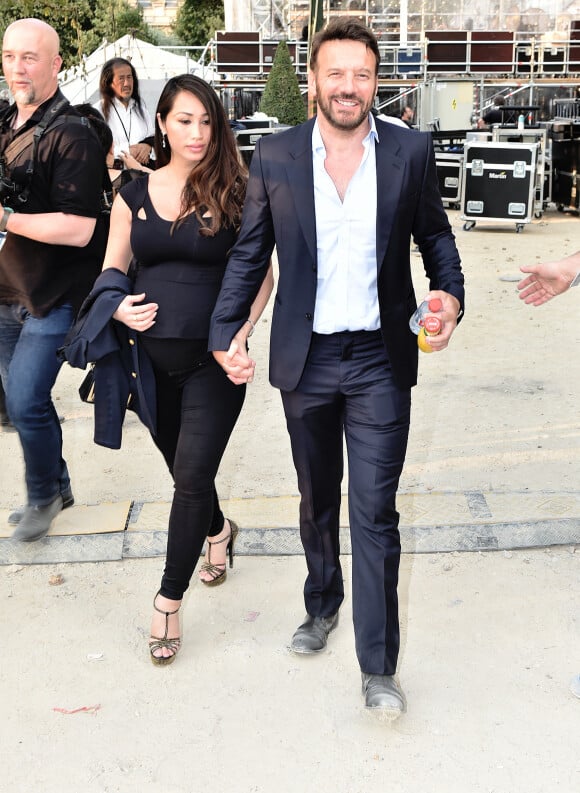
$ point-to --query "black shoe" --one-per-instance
(36, 521)
(311, 636)
(383, 696)
(67, 501)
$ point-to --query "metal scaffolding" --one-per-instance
(404, 20)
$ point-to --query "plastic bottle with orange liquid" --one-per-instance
(424, 326)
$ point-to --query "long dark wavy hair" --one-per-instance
(216, 186)
(105, 85)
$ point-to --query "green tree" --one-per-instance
(81, 24)
(198, 20)
(68, 17)
(282, 97)
(113, 19)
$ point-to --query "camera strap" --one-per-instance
(18, 145)
(52, 118)
(33, 135)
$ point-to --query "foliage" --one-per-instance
(81, 24)
(282, 97)
(69, 18)
(113, 19)
(198, 20)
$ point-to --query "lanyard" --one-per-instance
(127, 135)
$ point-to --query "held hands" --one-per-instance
(448, 317)
(236, 363)
(135, 314)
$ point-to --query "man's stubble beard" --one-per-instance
(336, 122)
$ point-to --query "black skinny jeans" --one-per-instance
(197, 409)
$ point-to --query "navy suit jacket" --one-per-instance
(279, 211)
(123, 373)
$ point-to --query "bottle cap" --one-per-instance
(432, 325)
(435, 304)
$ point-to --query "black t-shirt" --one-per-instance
(493, 116)
(68, 176)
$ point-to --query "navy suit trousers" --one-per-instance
(347, 389)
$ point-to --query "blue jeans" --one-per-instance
(29, 367)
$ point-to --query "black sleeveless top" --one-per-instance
(181, 271)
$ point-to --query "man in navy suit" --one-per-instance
(340, 197)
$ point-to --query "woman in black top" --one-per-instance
(179, 223)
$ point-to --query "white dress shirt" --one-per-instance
(346, 292)
(127, 124)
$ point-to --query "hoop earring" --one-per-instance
(164, 140)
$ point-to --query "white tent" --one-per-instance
(154, 66)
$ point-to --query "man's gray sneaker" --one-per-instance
(36, 521)
(67, 501)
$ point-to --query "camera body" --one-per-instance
(11, 192)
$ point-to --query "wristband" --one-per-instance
(252, 329)
(575, 280)
(5, 216)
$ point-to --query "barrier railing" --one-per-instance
(247, 54)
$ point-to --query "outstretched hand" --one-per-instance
(545, 281)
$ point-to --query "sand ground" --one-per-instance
(490, 639)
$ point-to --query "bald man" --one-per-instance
(53, 235)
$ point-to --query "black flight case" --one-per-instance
(499, 183)
(449, 167)
(448, 146)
